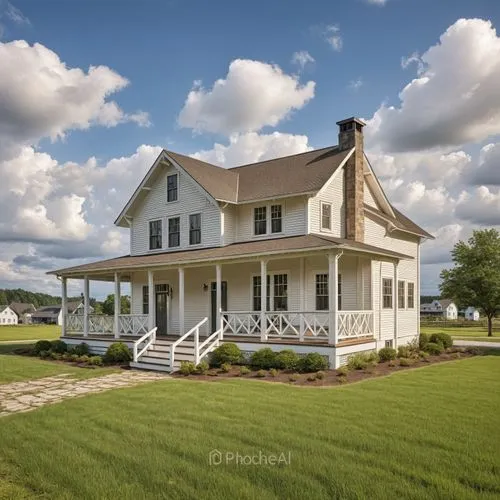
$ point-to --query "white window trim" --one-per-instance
(407, 307)
(162, 235)
(339, 295)
(405, 295)
(195, 245)
(382, 294)
(321, 204)
(268, 233)
(168, 232)
(271, 294)
(178, 188)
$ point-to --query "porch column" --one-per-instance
(117, 306)
(395, 303)
(263, 300)
(151, 301)
(64, 304)
(86, 304)
(302, 295)
(218, 294)
(333, 288)
(181, 301)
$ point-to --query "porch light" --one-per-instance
(205, 287)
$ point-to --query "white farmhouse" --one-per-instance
(442, 307)
(7, 316)
(303, 252)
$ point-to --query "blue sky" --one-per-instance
(433, 134)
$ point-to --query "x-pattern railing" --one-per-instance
(353, 324)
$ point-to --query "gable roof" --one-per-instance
(2, 308)
(445, 302)
(22, 307)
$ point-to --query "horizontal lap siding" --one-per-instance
(230, 224)
(191, 200)
(368, 197)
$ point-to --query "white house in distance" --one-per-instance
(471, 314)
(303, 252)
(7, 316)
(52, 315)
(442, 307)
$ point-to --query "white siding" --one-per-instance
(229, 218)
(191, 200)
(333, 193)
(368, 197)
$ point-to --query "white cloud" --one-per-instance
(488, 172)
(302, 58)
(14, 14)
(380, 3)
(253, 94)
(454, 101)
(355, 85)
(414, 58)
(333, 37)
(481, 206)
(252, 147)
(41, 97)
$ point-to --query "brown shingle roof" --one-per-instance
(234, 251)
(22, 307)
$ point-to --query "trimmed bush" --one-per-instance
(226, 353)
(392, 363)
(387, 353)
(320, 375)
(264, 358)
(56, 355)
(311, 378)
(342, 371)
(83, 359)
(261, 373)
(361, 360)
(342, 379)
(225, 367)
(202, 368)
(424, 355)
(118, 352)
(287, 360)
(474, 350)
(293, 377)
(45, 354)
(273, 372)
(244, 370)
(312, 362)
(405, 362)
(74, 357)
(95, 361)
(423, 340)
(81, 349)
(187, 367)
(42, 345)
(442, 338)
(404, 351)
(434, 349)
(58, 346)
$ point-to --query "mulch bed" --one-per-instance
(330, 377)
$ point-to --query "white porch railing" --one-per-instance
(101, 324)
(354, 324)
(241, 323)
(74, 323)
(195, 332)
(148, 340)
(133, 324)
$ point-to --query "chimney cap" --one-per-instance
(352, 119)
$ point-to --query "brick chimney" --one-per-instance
(351, 136)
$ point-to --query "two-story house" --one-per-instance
(304, 252)
(442, 307)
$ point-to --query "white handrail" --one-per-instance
(152, 334)
(196, 331)
(215, 339)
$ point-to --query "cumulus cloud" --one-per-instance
(481, 206)
(252, 147)
(302, 58)
(41, 97)
(488, 171)
(455, 99)
(253, 94)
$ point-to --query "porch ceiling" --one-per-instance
(237, 252)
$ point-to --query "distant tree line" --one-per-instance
(35, 298)
(427, 299)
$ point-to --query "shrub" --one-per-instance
(81, 349)
(244, 370)
(83, 359)
(202, 368)
(392, 363)
(58, 346)
(473, 350)
(405, 362)
(320, 375)
(423, 340)
(442, 338)
(293, 377)
(118, 352)
(95, 361)
(56, 355)
(264, 358)
(42, 345)
(312, 362)
(45, 354)
(226, 353)
(361, 360)
(311, 378)
(273, 372)
(261, 373)
(456, 355)
(67, 356)
(74, 357)
(342, 379)
(342, 371)
(387, 353)
(187, 367)
(404, 351)
(287, 360)
(225, 367)
(424, 356)
(434, 349)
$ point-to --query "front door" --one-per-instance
(213, 302)
(162, 309)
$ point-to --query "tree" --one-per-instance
(475, 279)
(108, 306)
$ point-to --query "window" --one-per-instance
(155, 234)
(387, 293)
(322, 292)
(401, 294)
(276, 219)
(256, 293)
(411, 295)
(326, 216)
(145, 299)
(174, 231)
(195, 229)
(260, 220)
(172, 187)
(388, 343)
(280, 292)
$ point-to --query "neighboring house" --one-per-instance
(23, 310)
(7, 316)
(52, 315)
(471, 314)
(304, 252)
(442, 307)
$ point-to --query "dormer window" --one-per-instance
(172, 181)
(260, 220)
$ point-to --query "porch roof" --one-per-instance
(244, 251)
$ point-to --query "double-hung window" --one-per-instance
(276, 219)
(326, 216)
(280, 292)
(387, 293)
(195, 229)
(145, 299)
(155, 234)
(410, 295)
(401, 294)
(256, 284)
(322, 303)
(172, 192)
(260, 220)
(174, 232)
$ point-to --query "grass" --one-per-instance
(469, 333)
(424, 433)
(8, 333)
(17, 368)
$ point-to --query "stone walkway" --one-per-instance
(29, 395)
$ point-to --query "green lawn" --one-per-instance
(463, 333)
(425, 433)
(29, 332)
(17, 368)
